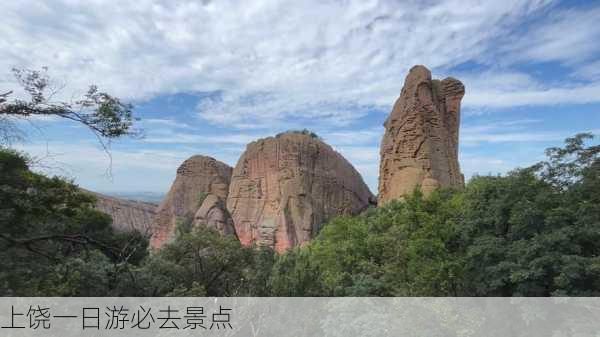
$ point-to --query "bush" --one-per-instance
(301, 132)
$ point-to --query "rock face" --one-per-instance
(201, 185)
(213, 214)
(127, 215)
(284, 188)
(420, 145)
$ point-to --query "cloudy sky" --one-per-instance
(209, 76)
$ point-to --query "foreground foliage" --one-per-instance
(52, 242)
(532, 232)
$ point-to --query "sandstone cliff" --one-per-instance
(127, 215)
(197, 196)
(284, 188)
(420, 144)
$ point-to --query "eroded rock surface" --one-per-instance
(420, 145)
(127, 215)
(214, 215)
(198, 179)
(284, 188)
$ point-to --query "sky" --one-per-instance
(207, 77)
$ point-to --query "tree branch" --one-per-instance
(74, 238)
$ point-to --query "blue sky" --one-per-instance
(207, 77)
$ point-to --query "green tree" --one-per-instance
(294, 274)
(405, 248)
(536, 231)
(199, 262)
(52, 240)
(259, 274)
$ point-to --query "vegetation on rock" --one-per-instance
(306, 132)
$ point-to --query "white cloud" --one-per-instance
(275, 65)
(354, 137)
(365, 160)
(124, 170)
(567, 36)
(512, 131)
(483, 165)
(496, 89)
(474, 138)
(165, 122)
(580, 94)
(589, 71)
(322, 60)
(95, 157)
(170, 137)
(360, 154)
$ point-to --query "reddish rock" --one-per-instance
(420, 145)
(284, 188)
(214, 215)
(127, 215)
(197, 178)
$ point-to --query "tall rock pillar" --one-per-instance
(420, 144)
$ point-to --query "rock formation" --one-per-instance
(197, 196)
(420, 145)
(213, 214)
(127, 215)
(284, 188)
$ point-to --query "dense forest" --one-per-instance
(532, 232)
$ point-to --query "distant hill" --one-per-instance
(128, 215)
(152, 197)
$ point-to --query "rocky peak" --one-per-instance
(420, 144)
(284, 188)
(199, 179)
